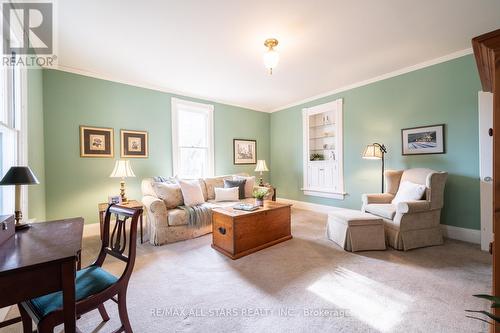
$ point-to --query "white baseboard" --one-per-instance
(463, 234)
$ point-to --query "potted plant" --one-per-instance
(495, 303)
(317, 157)
(259, 194)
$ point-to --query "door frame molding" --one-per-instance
(487, 53)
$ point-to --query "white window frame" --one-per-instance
(16, 121)
(208, 109)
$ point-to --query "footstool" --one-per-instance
(355, 231)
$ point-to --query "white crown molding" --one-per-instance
(145, 86)
(449, 231)
(389, 75)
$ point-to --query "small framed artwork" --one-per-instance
(244, 151)
(423, 140)
(96, 141)
(134, 143)
(114, 199)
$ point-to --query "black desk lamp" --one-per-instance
(19, 175)
(376, 151)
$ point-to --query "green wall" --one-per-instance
(36, 193)
(75, 185)
(444, 93)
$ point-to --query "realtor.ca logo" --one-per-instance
(28, 34)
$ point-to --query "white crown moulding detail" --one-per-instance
(382, 77)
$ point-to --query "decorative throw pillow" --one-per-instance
(226, 194)
(249, 185)
(213, 182)
(171, 194)
(408, 191)
(191, 191)
(239, 183)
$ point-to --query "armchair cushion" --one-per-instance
(413, 206)
(387, 211)
(89, 281)
(377, 198)
(408, 191)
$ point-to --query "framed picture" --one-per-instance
(134, 143)
(423, 140)
(244, 151)
(96, 141)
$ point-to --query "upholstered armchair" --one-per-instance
(413, 224)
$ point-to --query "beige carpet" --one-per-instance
(307, 284)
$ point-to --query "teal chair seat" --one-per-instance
(89, 281)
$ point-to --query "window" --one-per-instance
(192, 139)
(13, 135)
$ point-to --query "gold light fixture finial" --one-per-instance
(271, 57)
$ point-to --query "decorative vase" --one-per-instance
(259, 202)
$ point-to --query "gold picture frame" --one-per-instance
(134, 144)
(96, 141)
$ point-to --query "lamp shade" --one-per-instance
(19, 175)
(372, 152)
(122, 170)
(261, 166)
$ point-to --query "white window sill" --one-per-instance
(324, 194)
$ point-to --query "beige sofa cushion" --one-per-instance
(387, 211)
(171, 194)
(211, 183)
(177, 217)
(249, 185)
(191, 192)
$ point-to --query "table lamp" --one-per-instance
(19, 175)
(122, 170)
(376, 151)
(261, 167)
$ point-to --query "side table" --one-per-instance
(131, 204)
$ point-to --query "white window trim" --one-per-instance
(306, 112)
(209, 108)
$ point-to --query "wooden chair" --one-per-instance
(94, 285)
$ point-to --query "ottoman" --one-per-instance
(355, 231)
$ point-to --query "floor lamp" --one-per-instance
(376, 151)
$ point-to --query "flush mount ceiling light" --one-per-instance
(271, 57)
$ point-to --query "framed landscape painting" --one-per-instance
(134, 143)
(96, 141)
(244, 151)
(423, 140)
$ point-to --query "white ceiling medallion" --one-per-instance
(271, 57)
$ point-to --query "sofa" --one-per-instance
(168, 223)
(413, 224)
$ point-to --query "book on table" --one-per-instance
(246, 207)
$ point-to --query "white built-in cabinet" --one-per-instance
(323, 150)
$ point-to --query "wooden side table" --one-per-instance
(130, 203)
(272, 188)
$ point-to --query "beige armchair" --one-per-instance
(409, 225)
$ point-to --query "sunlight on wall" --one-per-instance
(374, 303)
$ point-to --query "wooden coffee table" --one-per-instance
(237, 233)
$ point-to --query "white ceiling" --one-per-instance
(213, 49)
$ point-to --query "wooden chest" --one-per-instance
(237, 233)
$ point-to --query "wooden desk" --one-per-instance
(130, 204)
(41, 260)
